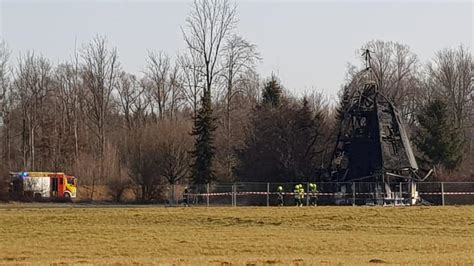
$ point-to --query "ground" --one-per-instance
(239, 236)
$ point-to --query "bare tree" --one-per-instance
(175, 90)
(129, 93)
(173, 148)
(140, 109)
(70, 96)
(118, 180)
(250, 86)
(100, 71)
(157, 71)
(451, 73)
(6, 99)
(144, 165)
(392, 64)
(209, 24)
(319, 104)
(132, 107)
(164, 84)
(240, 56)
(395, 70)
(33, 83)
(190, 79)
(4, 76)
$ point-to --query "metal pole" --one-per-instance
(442, 193)
(412, 192)
(170, 195)
(353, 194)
(207, 194)
(232, 195)
(174, 195)
(235, 200)
(307, 193)
(235, 195)
(401, 192)
(268, 194)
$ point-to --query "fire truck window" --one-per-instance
(55, 184)
(70, 181)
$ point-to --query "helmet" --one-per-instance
(280, 188)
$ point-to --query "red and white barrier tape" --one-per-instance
(446, 193)
(317, 194)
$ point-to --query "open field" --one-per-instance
(242, 236)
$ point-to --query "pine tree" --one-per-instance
(271, 95)
(438, 140)
(203, 152)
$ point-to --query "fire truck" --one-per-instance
(43, 185)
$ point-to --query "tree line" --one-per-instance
(205, 115)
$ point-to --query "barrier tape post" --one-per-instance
(353, 194)
(442, 193)
(173, 195)
(234, 197)
(400, 193)
(268, 194)
(170, 195)
(307, 193)
(235, 193)
(207, 194)
(235, 200)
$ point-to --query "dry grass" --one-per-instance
(239, 236)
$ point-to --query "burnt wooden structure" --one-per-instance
(372, 143)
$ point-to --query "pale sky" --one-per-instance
(306, 43)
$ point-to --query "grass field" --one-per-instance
(239, 236)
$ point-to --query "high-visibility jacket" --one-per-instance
(301, 193)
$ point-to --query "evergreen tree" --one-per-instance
(343, 102)
(438, 140)
(203, 152)
(307, 130)
(271, 95)
(282, 143)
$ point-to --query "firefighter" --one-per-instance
(313, 195)
(297, 195)
(280, 196)
(301, 194)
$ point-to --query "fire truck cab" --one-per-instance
(38, 185)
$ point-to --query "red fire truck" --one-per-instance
(43, 185)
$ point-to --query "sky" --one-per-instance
(307, 44)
